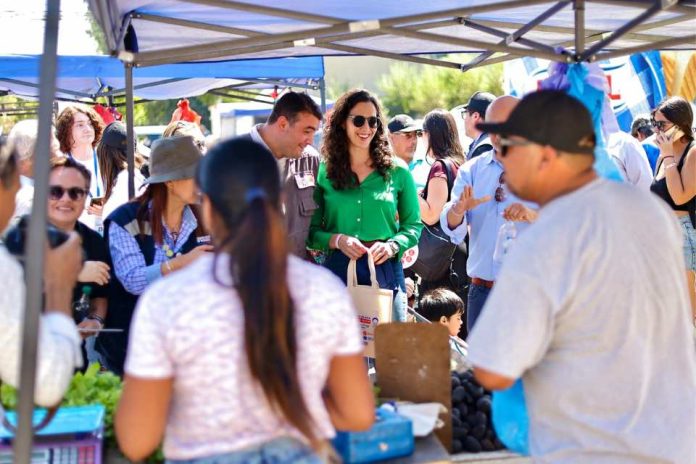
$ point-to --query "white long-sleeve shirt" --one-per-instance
(59, 343)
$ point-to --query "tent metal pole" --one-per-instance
(36, 239)
(38, 86)
(644, 16)
(218, 49)
(684, 9)
(144, 86)
(665, 44)
(130, 133)
(247, 81)
(322, 94)
(579, 7)
(515, 36)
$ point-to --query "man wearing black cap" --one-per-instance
(403, 135)
(587, 310)
(473, 113)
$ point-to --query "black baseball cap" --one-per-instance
(114, 136)
(403, 123)
(549, 117)
(479, 102)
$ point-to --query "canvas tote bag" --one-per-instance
(372, 303)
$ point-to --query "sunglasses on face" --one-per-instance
(660, 125)
(56, 192)
(359, 121)
(506, 143)
(500, 194)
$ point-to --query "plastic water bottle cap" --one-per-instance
(86, 290)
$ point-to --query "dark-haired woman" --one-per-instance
(113, 167)
(249, 355)
(367, 203)
(445, 154)
(675, 175)
(156, 234)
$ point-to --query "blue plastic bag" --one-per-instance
(510, 418)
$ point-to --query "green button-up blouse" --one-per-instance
(378, 209)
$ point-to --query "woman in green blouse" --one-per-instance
(366, 202)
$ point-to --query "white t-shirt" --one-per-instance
(119, 193)
(190, 328)
(591, 310)
(96, 189)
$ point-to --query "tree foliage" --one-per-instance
(416, 89)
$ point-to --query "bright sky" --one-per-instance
(22, 27)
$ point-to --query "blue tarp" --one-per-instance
(86, 76)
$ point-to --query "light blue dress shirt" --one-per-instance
(483, 173)
(420, 168)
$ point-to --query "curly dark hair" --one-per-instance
(335, 147)
(64, 125)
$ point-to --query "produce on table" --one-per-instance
(472, 430)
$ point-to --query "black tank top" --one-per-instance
(659, 188)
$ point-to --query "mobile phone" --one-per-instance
(96, 201)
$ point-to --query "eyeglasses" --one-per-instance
(359, 121)
(500, 194)
(660, 125)
(56, 192)
(507, 143)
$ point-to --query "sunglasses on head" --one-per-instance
(659, 125)
(506, 143)
(359, 121)
(500, 194)
(56, 192)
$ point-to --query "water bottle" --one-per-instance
(506, 236)
(82, 306)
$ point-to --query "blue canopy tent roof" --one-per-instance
(103, 76)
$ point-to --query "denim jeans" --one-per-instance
(475, 301)
(389, 275)
(689, 242)
(279, 451)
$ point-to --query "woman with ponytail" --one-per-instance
(249, 354)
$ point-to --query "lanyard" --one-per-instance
(96, 169)
(96, 172)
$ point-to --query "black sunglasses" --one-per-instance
(500, 194)
(506, 143)
(359, 121)
(56, 192)
(659, 125)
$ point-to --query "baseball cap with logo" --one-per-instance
(549, 117)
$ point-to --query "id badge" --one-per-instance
(304, 180)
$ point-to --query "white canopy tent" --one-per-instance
(174, 30)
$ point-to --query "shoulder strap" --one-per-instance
(450, 180)
(683, 156)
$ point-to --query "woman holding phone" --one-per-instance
(675, 175)
(112, 154)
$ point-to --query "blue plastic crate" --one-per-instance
(74, 436)
(390, 437)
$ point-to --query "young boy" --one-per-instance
(443, 306)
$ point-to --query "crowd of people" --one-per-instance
(223, 282)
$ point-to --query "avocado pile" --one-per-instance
(472, 429)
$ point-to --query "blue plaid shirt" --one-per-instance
(129, 262)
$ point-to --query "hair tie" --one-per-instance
(254, 193)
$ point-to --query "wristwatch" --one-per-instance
(394, 247)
